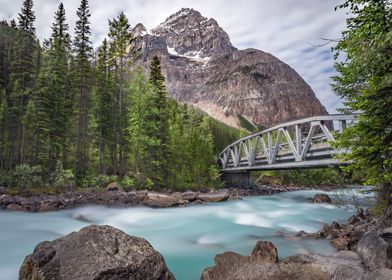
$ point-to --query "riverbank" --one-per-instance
(364, 246)
(115, 196)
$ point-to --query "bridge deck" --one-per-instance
(299, 144)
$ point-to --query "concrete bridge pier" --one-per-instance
(240, 179)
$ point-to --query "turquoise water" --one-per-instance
(188, 237)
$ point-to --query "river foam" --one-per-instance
(189, 237)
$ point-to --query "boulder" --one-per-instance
(95, 252)
(265, 251)
(50, 204)
(261, 265)
(379, 274)
(386, 220)
(347, 272)
(341, 243)
(330, 263)
(114, 187)
(321, 198)
(190, 196)
(232, 266)
(354, 219)
(335, 226)
(218, 196)
(161, 200)
(375, 250)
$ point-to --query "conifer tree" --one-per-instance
(159, 153)
(120, 38)
(140, 124)
(23, 71)
(83, 84)
(54, 93)
(103, 100)
(27, 17)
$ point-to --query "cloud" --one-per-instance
(285, 28)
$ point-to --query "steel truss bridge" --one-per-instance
(304, 143)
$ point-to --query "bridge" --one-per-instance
(299, 144)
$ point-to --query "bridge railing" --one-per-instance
(296, 144)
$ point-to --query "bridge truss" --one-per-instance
(303, 143)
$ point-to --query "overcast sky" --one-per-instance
(285, 28)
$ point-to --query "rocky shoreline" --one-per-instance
(114, 196)
(364, 247)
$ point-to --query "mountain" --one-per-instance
(203, 68)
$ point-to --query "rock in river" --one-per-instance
(162, 200)
(95, 252)
(321, 198)
(217, 196)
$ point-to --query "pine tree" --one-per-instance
(103, 100)
(83, 83)
(54, 94)
(140, 124)
(27, 17)
(23, 70)
(160, 118)
(120, 38)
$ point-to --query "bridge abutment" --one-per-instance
(241, 179)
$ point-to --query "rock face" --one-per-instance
(376, 250)
(203, 68)
(95, 252)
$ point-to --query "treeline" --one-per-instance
(72, 116)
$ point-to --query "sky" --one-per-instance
(290, 30)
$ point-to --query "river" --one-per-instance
(187, 237)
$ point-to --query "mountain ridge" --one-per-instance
(204, 69)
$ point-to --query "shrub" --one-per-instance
(26, 176)
(62, 178)
(99, 182)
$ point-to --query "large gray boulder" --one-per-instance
(95, 252)
(262, 264)
(216, 196)
(162, 200)
(376, 250)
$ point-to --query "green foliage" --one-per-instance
(62, 178)
(223, 134)
(365, 82)
(26, 176)
(160, 119)
(120, 60)
(305, 177)
(103, 102)
(99, 182)
(27, 17)
(89, 127)
(54, 98)
(191, 149)
(244, 123)
(83, 84)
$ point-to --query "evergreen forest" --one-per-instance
(73, 116)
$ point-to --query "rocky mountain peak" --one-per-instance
(139, 30)
(187, 32)
(237, 87)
